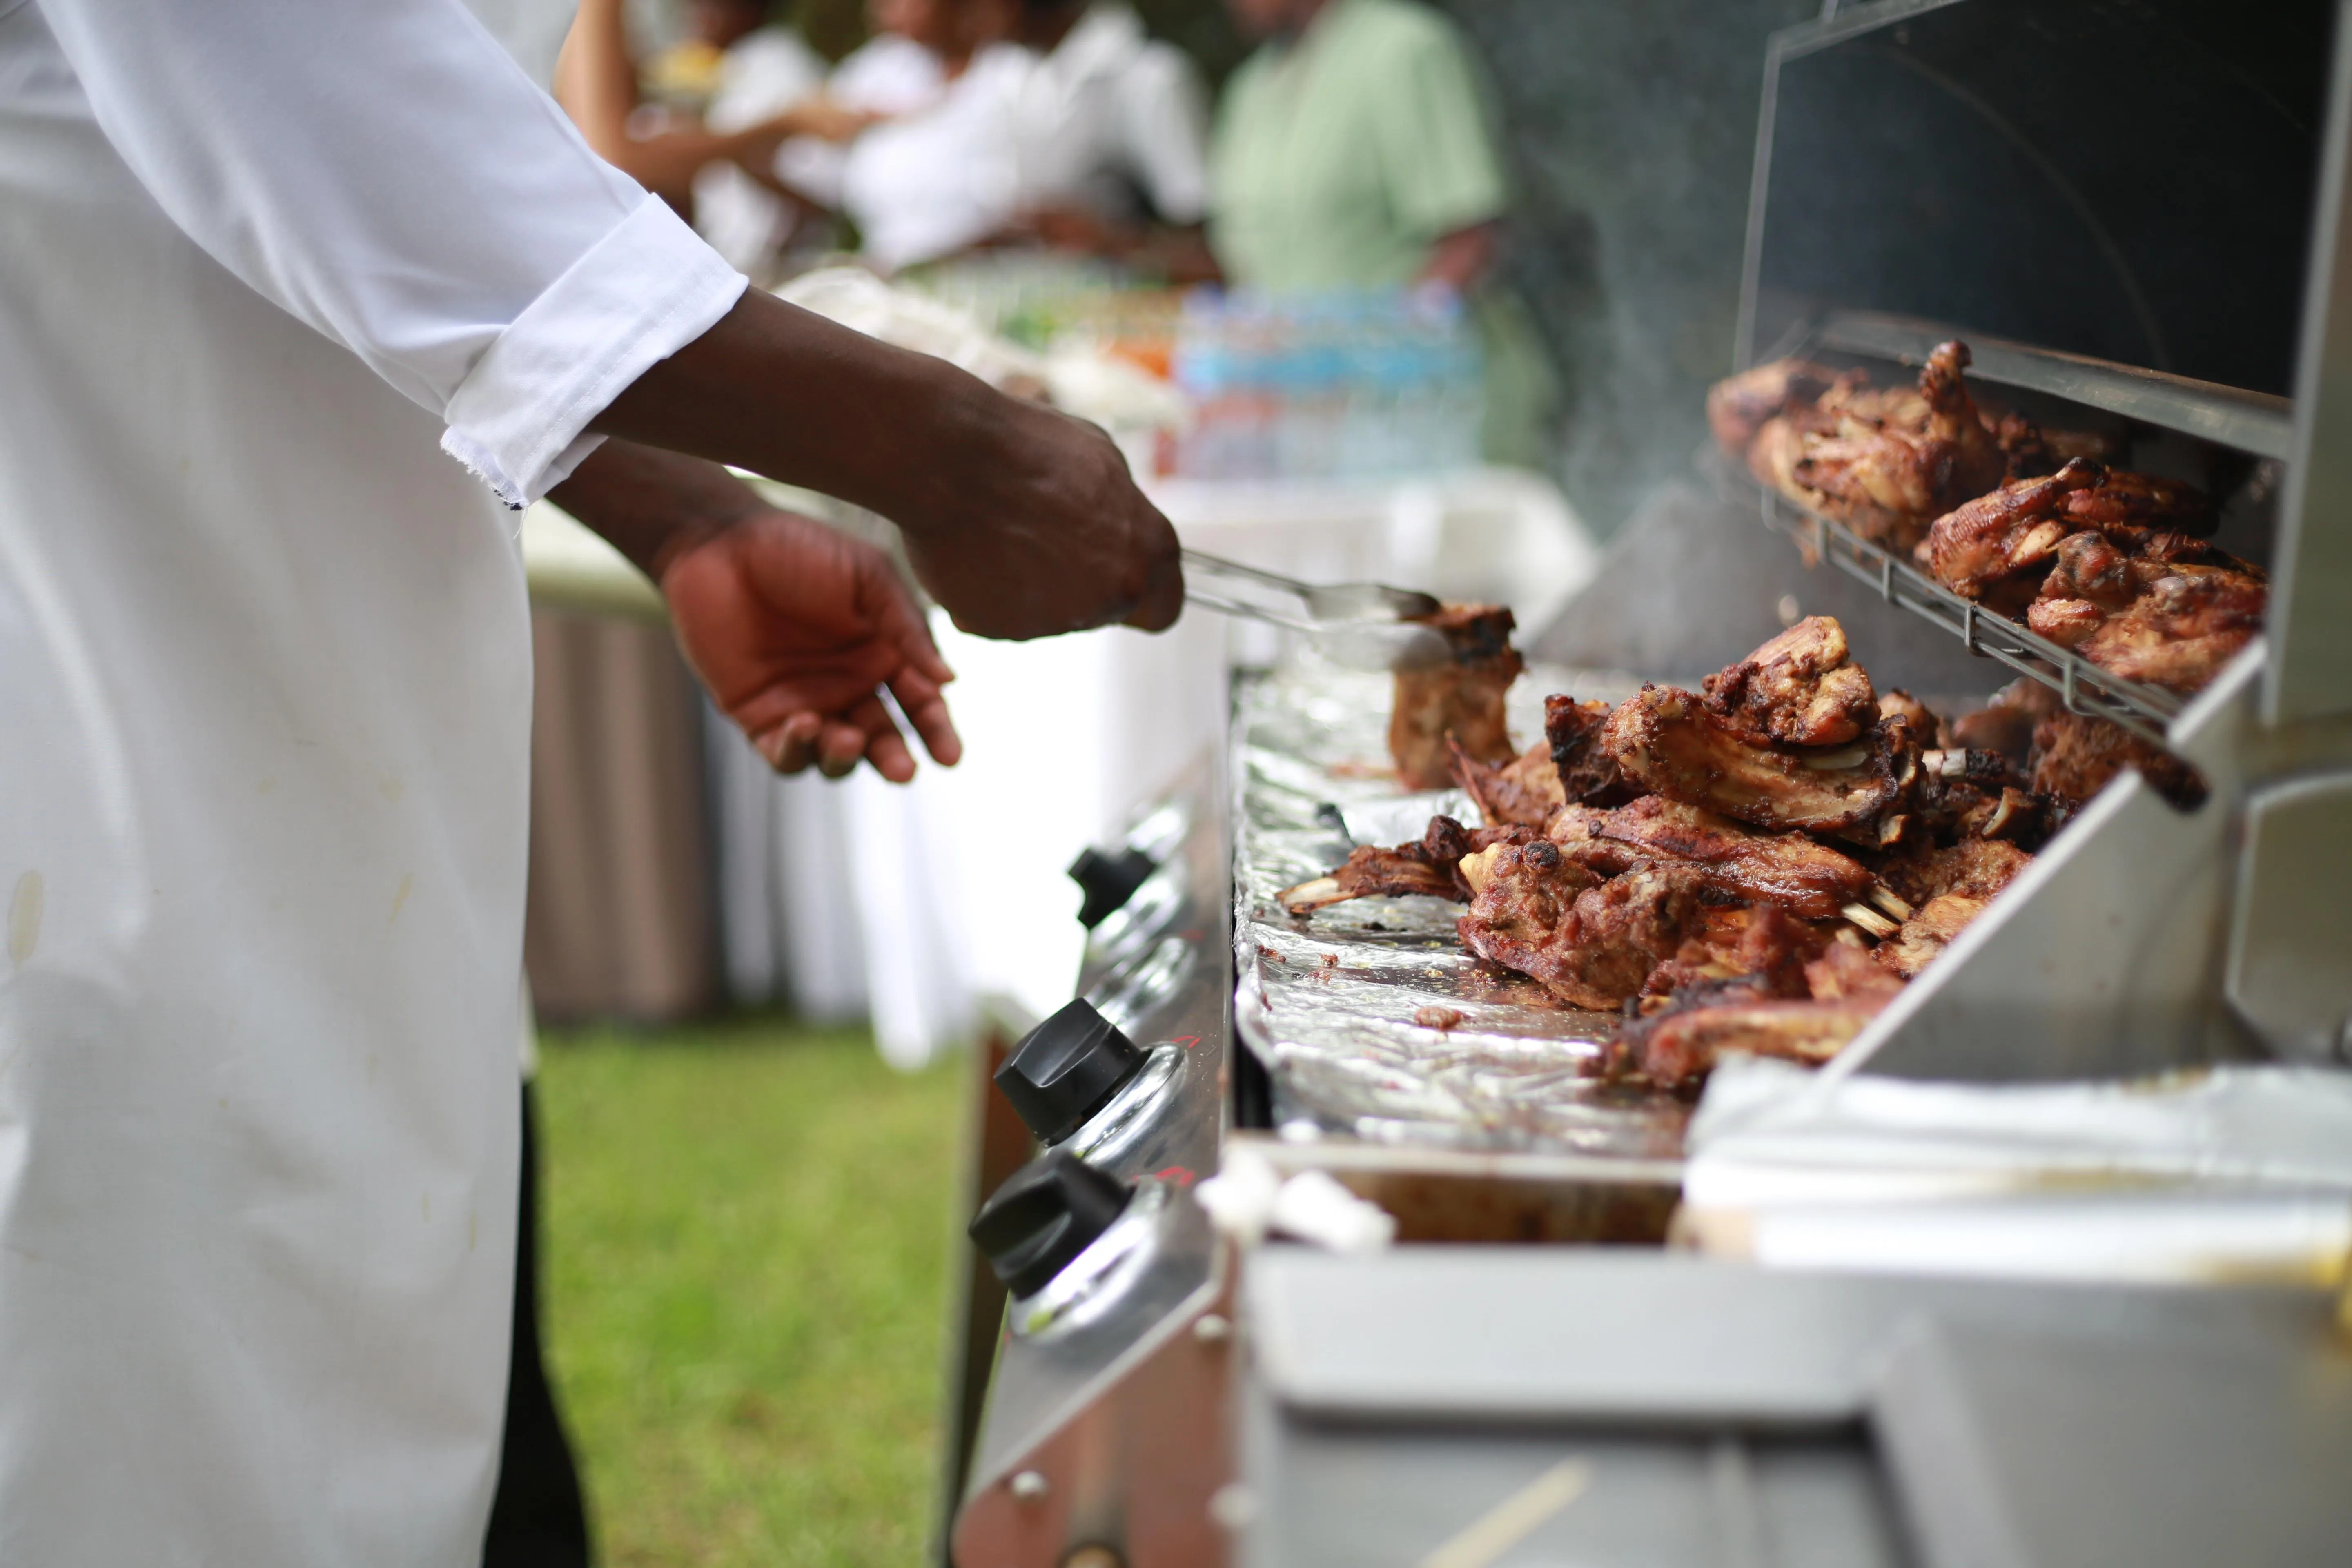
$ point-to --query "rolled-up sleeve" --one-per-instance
(382, 170)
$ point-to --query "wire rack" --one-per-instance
(2145, 711)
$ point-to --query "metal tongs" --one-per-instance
(1359, 626)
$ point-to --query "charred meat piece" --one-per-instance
(1588, 774)
(1997, 548)
(1925, 727)
(2006, 723)
(1978, 867)
(1963, 794)
(2024, 448)
(2075, 756)
(2143, 500)
(1845, 972)
(1461, 696)
(1884, 464)
(1786, 869)
(1737, 406)
(2181, 630)
(1799, 690)
(1676, 1049)
(1526, 790)
(1431, 865)
(1669, 741)
(1592, 945)
(1927, 932)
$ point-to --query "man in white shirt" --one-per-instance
(764, 68)
(264, 732)
(1111, 123)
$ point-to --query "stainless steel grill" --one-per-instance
(2113, 202)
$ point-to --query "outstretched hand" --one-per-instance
(797, 630)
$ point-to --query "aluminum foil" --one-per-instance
(1371, 1018)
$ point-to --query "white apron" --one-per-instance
(264, 717)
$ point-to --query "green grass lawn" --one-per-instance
(747, 1237)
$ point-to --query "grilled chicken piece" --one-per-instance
(1588, 774)
(1526, 790)
(1462, 697)
(1669, 741)
(1590, 943)
(1737, 406)
(2075, 756)
(1800, 689)
(1997, 548)
(1430, 865)
(2143, 500)
(1884, 464)
(1786, 869)
(2181, 630)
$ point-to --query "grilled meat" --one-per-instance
(1977, 867)
(2181, 631)
(1997, 548)
(2143, 500)
(1785, 869)
(2075, 756)
(1737, 406)
(1883, 464)
(1678, 1049)
(2006, 723)
(1526, 790)
(1590, 943)
(1926, 727)
(1668, 740)
(1430, 865)
(1462, 697)
(1588, 774)
(1927, 932)
(1799, 690)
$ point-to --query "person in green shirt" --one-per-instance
(1354, 151)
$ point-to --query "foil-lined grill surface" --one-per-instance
(1372, 1019)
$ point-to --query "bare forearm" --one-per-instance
(1462, 260)
(652, 505)
(786, 393)
(1022, 521)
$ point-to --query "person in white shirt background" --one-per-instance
(1110, 138)
(264, 274)
(765, 68)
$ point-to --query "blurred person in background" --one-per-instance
(935, 182)
(901, 68)
(1355, 151)
(596, 81)
(1109, 137)
(760, 68)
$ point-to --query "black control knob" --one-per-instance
(1107, 881)
(1066, 1068)
(1051, 1210)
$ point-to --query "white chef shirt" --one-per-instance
(1109, 116)
(264, 751)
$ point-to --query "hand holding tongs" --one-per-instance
(1362, 626)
